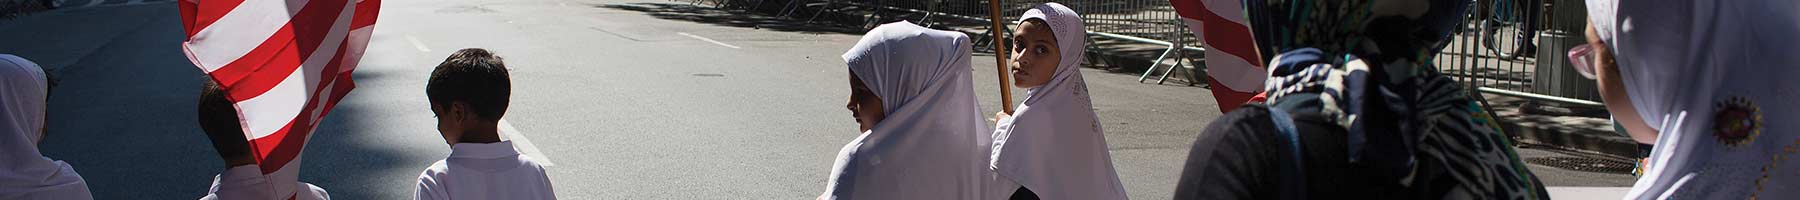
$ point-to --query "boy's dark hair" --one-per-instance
(473, 76)
(219, 118)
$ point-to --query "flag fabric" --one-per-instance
(1234, 66)
(283, 63)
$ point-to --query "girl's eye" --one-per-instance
(1043, 50)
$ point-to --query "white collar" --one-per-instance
(483, 150)
(241, 181)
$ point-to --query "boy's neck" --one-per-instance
(239, 161)
(486, 133)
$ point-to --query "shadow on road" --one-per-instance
(709, 15)
(124, 117)
(352, 157)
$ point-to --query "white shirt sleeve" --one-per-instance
(312, 192)
(429, 188)
(549, 190)
(212, 192)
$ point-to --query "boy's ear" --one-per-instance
(460, 110)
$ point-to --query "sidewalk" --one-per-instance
(1588, 192)
(1572, 128)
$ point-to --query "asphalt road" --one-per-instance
(628, 99)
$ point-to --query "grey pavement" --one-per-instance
(630, 99)
(123, 114)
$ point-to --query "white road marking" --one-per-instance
(523, 145)
(708, 40)
(417, 44)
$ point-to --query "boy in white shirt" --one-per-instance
(468, 93)
(243, 178)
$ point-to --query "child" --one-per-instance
(1711, 83)
(243, 178)
(922, 132)
(468, 94)
(1053, 147)
(24, 172)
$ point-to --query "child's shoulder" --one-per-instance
(438, 168)
(533, 163)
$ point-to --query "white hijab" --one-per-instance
(933, 142)
(1685, 62)
(24, 172)
(1053, 144)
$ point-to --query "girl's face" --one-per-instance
(1035, 54)
(864, 106)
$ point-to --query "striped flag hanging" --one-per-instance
(284, 64)
(1234, 66)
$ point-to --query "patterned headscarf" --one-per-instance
(1364, 66)
(1399, 32)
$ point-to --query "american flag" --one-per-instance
(1234, 67)
(284, 64)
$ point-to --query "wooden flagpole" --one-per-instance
(1000, 56)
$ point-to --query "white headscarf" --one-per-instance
(1053, 144)
(1685, 65)
(933, 142)
(24, 172)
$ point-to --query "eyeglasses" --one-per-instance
(1582, 58)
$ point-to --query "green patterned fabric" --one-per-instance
(1366, 65)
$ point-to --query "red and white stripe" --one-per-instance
(285, 64)
(1233, 64)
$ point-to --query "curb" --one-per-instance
(1529, 123)
(1592, 142)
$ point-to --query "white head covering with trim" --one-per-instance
(1053, 144)
(1717, 79)
(24, 172)
(932, 144)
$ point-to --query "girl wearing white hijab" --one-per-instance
(1053, 146)
(1712, 83)
(24, 172)
(923, 136)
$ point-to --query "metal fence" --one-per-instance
(1486, 53)
(1152, 19)
(1490, 51)
(1140, 22)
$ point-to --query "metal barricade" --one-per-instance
(1486, 52)
(1151, 22)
